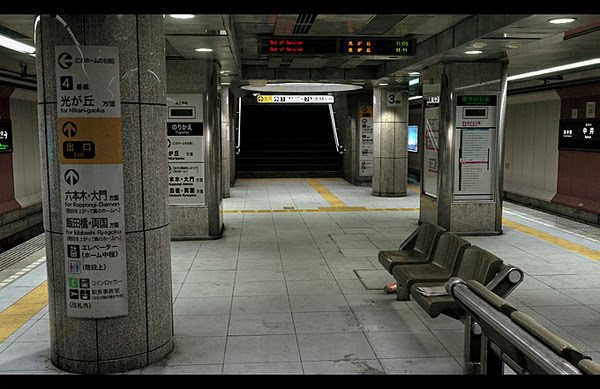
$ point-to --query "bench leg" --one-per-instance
(402, 293)
(472, 355)
(491, 363)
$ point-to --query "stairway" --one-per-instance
(284, 141)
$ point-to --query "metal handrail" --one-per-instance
(339, 148)
(238, 148)
(536, 351)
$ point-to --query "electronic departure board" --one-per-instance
(361, 46)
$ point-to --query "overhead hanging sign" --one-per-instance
(355, 46)
(6, 142)
(91, 180)
(295, 99)
(185, 134)
(365, 142)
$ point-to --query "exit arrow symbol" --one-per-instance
(72, 177)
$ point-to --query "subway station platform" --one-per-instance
(294, 287)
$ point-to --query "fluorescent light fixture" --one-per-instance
(473, 52)
(225, 83)
(415, 97)
(561, 20)
(383, 84)
(224, 71)
(554, 69)
(182, 16)
(412, 74)
(414, 81)
(12, 44)
(204, 49)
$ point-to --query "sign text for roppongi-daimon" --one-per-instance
(91, 180)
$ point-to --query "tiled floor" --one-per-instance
(278, 293)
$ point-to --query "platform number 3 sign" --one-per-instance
(393, 98)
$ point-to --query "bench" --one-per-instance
(477, 264)
(445, 259)
(415, 249)
(512, 337)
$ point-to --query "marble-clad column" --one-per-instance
(390, 131)
(144, 335)
(225, 140)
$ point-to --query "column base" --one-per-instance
(387, 194)
(112, 366)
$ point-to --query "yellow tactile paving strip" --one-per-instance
(332, 199)
(555, 240)
(13, 317)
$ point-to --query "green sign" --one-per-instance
(6, 145)
(476, 100)
(73, 283)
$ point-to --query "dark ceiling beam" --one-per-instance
(430, 51)
(254, 72)
(235, 51)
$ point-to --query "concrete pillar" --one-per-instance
(204, 219)
(443, 203)
(226, 139)
(390, 131)
(144, 335)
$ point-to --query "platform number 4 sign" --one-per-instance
(393, 98)
(66, 83)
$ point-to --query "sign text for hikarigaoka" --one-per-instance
(356, 45)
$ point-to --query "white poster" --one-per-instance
(430, 151)
(91, 171)
(365, 144)
(185, 133)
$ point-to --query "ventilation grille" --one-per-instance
(304, 23)
(286, 63)
(380, 24)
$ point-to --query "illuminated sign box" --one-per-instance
(579, 134)
(295, 99)
(360, 46)
(413, 139)
(6, 145)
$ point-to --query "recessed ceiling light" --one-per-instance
(224, 71)
(561, 20)
(383, 84)
(204, 49)
(225, 83)
(414, 74)
(182, 16)
(473, 52)
(12, 44)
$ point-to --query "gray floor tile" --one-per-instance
(213, 264)
(343, 273)
(355, 286)
(406, 344)
(260, 304)
(531, 282)
(259, 275)
(442, 322)
(588, 296)
(312, 274)
(589, 334)
(313, 287)
(202, 306)
(39, 332)
(210, 276)
(334, 347)
(203, 325)
(325, 322)
(359, 366)
(375, 302)
(319, 303)
(565, 281)
(439, 365)
(182, 369)
(263, 368)
(261, 324)
(26, 356)
(259, 264)
(578, 315)
(383, 321)
(260, 288)
(196, 351)
(3, 346)
(177, 277)
(206, 289)
(540, 297)
(263, 348)
(453, 341)
(350, 263)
